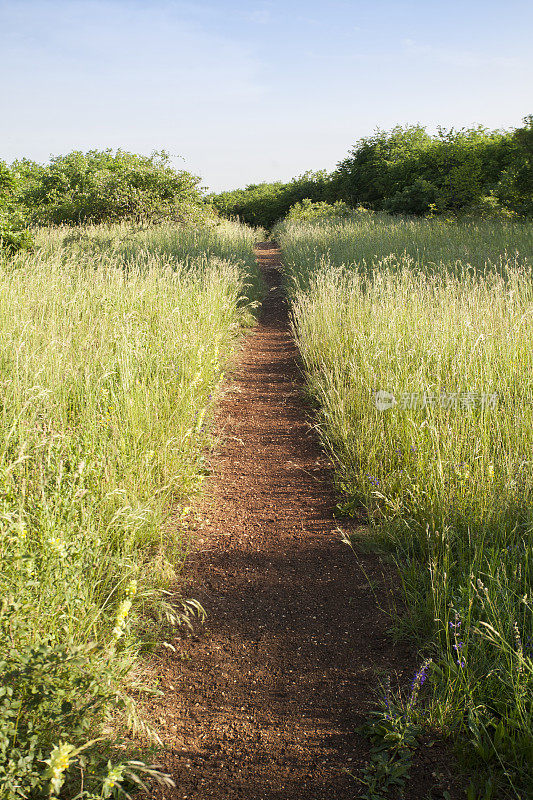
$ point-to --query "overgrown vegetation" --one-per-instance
(113, 342)
(263, 204)
(409, 171)
(103, 186)
(95, 187)
(116, 321)
(437, 316)
(14, 234)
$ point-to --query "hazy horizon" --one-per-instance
(241, 93)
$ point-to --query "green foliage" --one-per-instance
(394, 733)
(114, 340)
(103, 186)
(407, 171)
(14, 235)
(433, 311)
(514, 189)
(264, 204)
(51, 691)
(370, 172)
(309, 211)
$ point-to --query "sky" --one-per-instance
(239, 91)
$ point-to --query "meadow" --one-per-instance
(114, 341)
(123, 296)
(438, 314)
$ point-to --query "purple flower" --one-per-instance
(421, 675)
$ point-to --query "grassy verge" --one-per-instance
(439, 315)
(113, 343)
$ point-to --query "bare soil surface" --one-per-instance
(264, 702)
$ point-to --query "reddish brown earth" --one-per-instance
(264, 703)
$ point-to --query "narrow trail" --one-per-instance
(264, 704)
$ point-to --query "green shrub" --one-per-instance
(408, 171)
(50, 693)
(102, 186)
(264, 204)
(514, 189)
(309, 211)
(14, 235)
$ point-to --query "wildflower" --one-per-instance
(120, 622)
(519, 646)
(20, 529)
(490, 471)
(418, 682)
(463, 474)
(114, 777)
(58, 546)
(58, 763)
(421, 675)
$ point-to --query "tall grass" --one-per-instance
(113, 342)
(441, 316)
(369, 240)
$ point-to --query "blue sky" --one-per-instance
(241, 92)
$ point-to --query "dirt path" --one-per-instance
(264, 704)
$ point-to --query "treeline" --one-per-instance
(93, 187)
(404, 171)
(408, 171)
(263, 204)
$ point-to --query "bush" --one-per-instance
(417, 198)
(264, 204)
(309, 211)
(408, 171)
(515, 186)
(102, 186)
(50, 693)
(14, 235)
